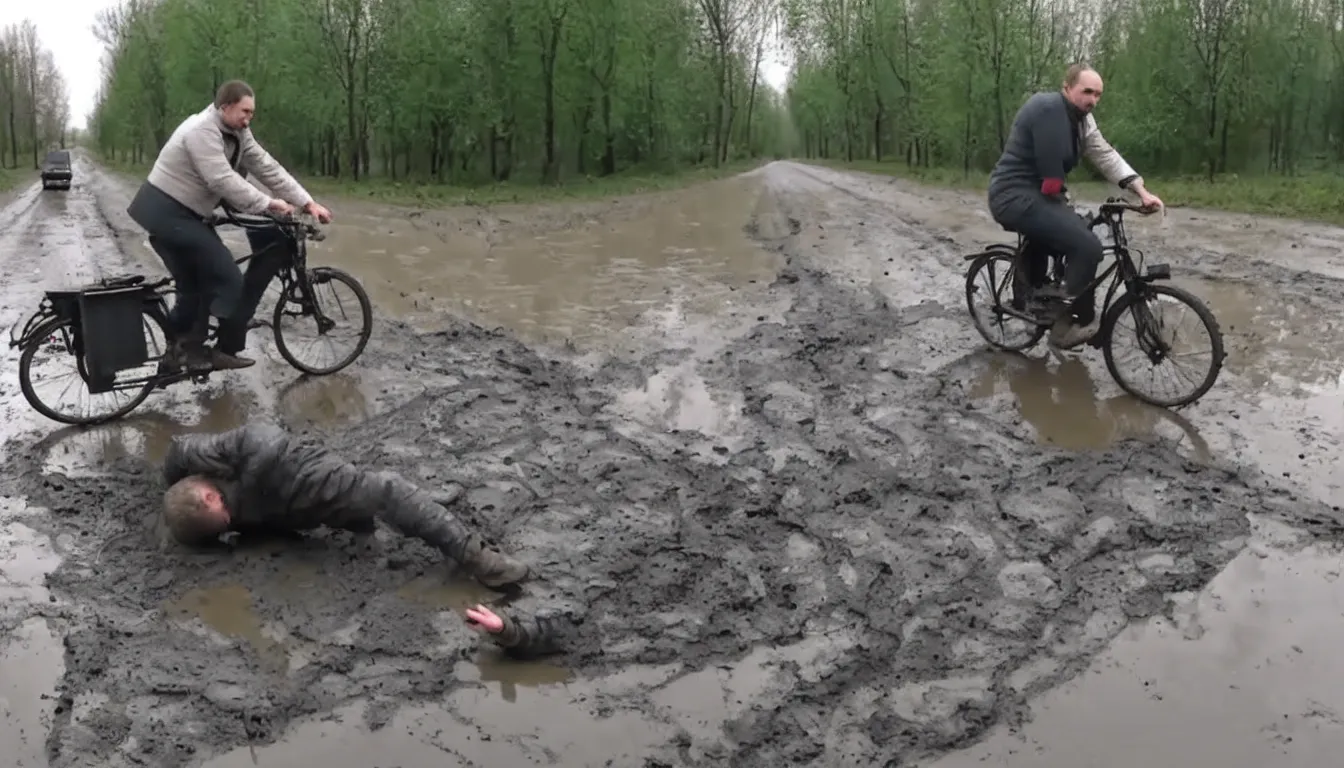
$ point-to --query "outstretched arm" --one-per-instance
(217, 456)
(539, 634)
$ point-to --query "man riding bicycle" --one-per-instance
(1051, 132)
(204, 163)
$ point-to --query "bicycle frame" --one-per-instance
(1122, 266)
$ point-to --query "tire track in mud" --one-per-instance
(920, 570)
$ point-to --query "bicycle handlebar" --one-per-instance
(1115, 205)
(268, 220)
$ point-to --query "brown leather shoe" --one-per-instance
(223, 361)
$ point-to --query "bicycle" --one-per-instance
(1139, 287)
(95, 323)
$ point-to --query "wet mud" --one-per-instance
(825, 531)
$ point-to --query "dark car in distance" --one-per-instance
(56, 171)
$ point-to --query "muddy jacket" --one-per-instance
(272, 479)
(1048, 138)
(196, 167)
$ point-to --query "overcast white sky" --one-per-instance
(66, 28)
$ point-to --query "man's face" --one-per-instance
(239, 114)
(1085, 93)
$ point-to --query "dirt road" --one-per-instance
(748, 430)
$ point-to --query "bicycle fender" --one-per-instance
(995, 248)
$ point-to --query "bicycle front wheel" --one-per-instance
(317, 318)
(1160, 342)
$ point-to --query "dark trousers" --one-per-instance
(1051, 226)
(208, 280)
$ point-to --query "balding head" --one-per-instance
(194, 511)
(1082, 87)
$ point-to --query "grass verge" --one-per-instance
(1312, 197)
(13, 178)
(383, 190)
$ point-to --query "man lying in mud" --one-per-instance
(259, 477)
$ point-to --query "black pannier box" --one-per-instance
(113, 331)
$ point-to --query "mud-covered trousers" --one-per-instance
(208, 280)
(1052, 226)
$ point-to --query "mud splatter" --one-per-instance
(916, 568)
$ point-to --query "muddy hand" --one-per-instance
(484, 619)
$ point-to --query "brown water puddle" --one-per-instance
(553, 721)
(32, 659)
(576, 284)
(1245, 675)
(228, 610)
(1279, 390)
(1058, 399)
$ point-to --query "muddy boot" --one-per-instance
(1067, 333)
(184, 354)
(492, 568)
(223, 361)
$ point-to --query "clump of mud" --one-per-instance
(950, 568)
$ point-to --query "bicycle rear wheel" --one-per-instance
(996, 269)
(299, 310)
(1158, 341)
(58, 336)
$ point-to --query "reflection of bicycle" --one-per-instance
(97, 325)
(1140, 288)
(1062, 405)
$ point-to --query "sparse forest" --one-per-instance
(34, 104)
(453, 92)
(1193, 87)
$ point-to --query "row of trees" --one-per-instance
(451, 90)
(34, 103)
(1193, 86)
(471, 90)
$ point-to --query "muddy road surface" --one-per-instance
(747, 432)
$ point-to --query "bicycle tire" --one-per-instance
(995, 254)
(26, 384)
(1205, 316)
(366, 316)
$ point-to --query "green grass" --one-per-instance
(443, 195)
(12, 178)
(1315, 197)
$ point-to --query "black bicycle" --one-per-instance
(103, 325)
(1014, 299)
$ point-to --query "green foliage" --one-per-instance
(1195, 89)
(449, 92)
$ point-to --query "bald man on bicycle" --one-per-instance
(203, 164)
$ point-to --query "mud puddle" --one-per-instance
(1274, 405)
(1252, 658)
(31, 656)
(580, 284)
(807, 548)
